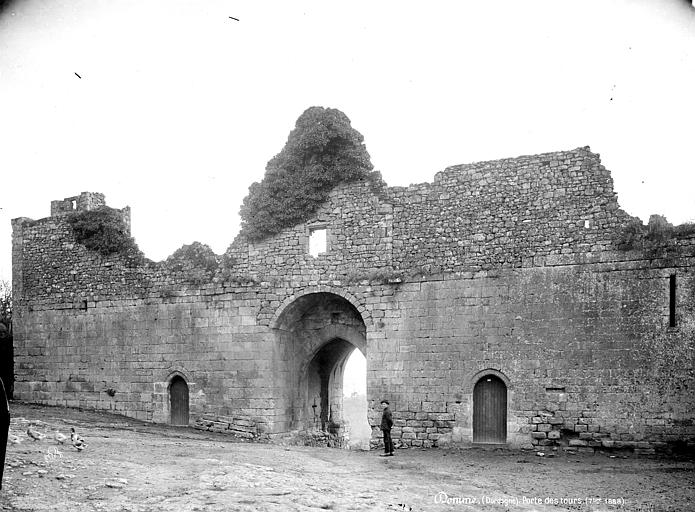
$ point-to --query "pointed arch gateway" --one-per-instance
(315, 334)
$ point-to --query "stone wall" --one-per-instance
(509, 269)
(506, 213)
(586, 352)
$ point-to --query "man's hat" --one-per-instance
(385, 402)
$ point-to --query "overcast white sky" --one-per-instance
(179, 107)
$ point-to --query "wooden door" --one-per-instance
(490, 411)
(178, 395)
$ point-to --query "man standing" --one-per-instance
(386, 424)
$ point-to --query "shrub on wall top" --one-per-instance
(193, 256)
(103, 230)
(657, 234)
(322, 151)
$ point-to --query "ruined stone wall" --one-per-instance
(85, 201)
(506, 213)
(359, 242)
(89, 324)
(508, 268)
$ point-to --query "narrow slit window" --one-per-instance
(672, 301)
(317, 241)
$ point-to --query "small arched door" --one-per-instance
(490, 410)
(178, 397)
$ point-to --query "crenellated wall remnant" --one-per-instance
(494, 305)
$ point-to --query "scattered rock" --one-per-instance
(118, 483)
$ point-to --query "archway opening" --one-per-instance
(490, 410)
(315, 335)
(178, 401)
(355, 406)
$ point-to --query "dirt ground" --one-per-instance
(133, 466)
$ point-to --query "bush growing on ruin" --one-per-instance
(657, 234)
(322, 151)
(195, 255)
(197, 261)
(103, 230)
(6, 345)
(6, 305)
(231, 273)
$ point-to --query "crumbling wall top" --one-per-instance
(85, 201)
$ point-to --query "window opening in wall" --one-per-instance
(73, 204)
(672, 301)
(317, 241)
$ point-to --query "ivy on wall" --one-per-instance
(322, 151)
(103, 230)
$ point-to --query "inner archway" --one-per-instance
(325, 386)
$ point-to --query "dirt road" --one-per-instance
(132, 466)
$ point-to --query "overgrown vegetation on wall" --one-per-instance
(657, 234)
(197, 261)
(6, 344)
(6, 304)
(322, 151)
(195, 255)
(103, 230)
(198, 264)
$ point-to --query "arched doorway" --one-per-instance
(490, 410)
(314, 336)
(178, 401)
